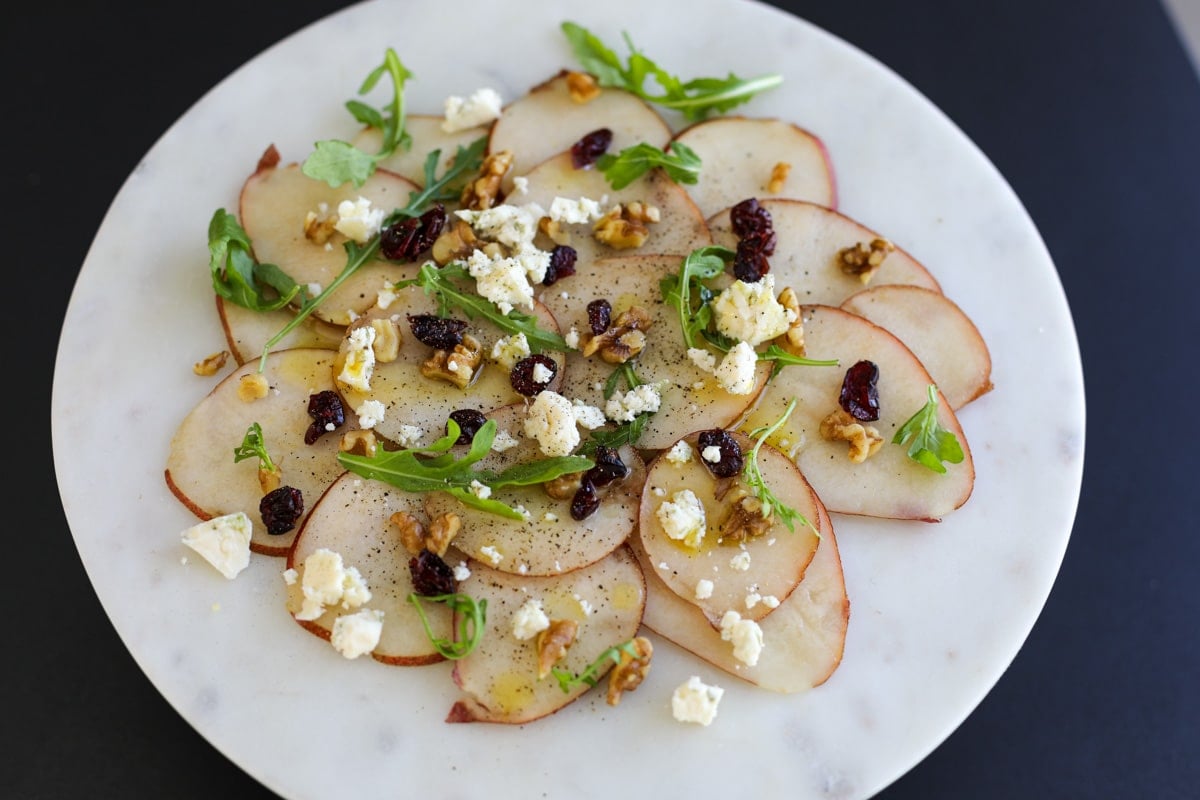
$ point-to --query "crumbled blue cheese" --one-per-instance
(480, 490)
(409, 435)
(750, 312)
(711, 454)
(682, 518)
(529, 620)
(358, 633)
(704, 589)
(508, 350)
(461, 571)
(704, 359)
(492, 555)
(541, 373)
(359, 365)
(503, 441)
(480, 108)
(223, 541)
(370, 414)
(512, 226)
(680, 453)
(588, 417)
(575, 212)
(358, 220)
(551, 420)
(572, 338)
(736, 371)
(746, 636)
(696, 701)
(502, 280)
(644, 399)
(740, 561)
(327, 582)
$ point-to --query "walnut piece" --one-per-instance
(252, 387)
(555, 230)
(552, 643)
(455, 243)
(359, 442)
(864, 440)
(481, 193)
(631, 671)
(387, 340)
(456, 366)
(442, 531)
(319, 225)
(745, 519)
(212, 364)
(779, 176)
(412, 532)
(793, 338)
(624, 226)
(623, 339)
(582, 86)
(863, 259)
(564, 487)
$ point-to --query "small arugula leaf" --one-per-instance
(700, 265)
(681, 164)
(472, 617)
(929, 444)
(695, 99)
(610, 656)
(337, 162)
(774, 353)
(253, 446)
(626, 432)
(237, 276)
(754, 477)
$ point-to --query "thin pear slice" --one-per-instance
(734, 560)
(803, 639)
(691, 398)
(888, 483)
(201, 471)
(353, 519)
(808, 240)
(549, 541)
(247, 332)
(423, 403)
(547, 120)
(937, 330)
(275, 202)
(740, 156)
(427, 136)
(681, 227)
(499, 680)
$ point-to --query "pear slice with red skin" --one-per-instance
(427, 136)
(691, 398)
(353, 519)
(681, 227)
(740, 154)
(803, 639)
(499, 680)
(201, 471)
(274, 204)
(411, 398)
(938, 332)
(778, 557)
(889, 483)
(550, 541)
(247, 332)
(546, 120)
(808, 240)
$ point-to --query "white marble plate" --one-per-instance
(938, 611)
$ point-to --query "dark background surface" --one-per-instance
(1091, 111)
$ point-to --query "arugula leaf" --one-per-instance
(929, 444)
(253, 446)
(681, 164)
(754, 477)
(438, 282)
(472, 616)
(337, 162)
(781, 358)
(696, 98)
(626, 432)
(236, 275)
(611, 655)
(436, 469)
(700, 265)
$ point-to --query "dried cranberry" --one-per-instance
(749, 263)
(408, 238)
(730, 463)
(593, 145)
(860, 394)
(749, 218)
(522, 375)
(281, 509)
(756, 240)
(585, 502)
(469, 422)
(599, 315)
(326, 410)
(441, 333)
(431, 575)
(608, 468)
(562, 264)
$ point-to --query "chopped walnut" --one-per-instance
(793, 338)
(456, 366)
(211, 365)
(319, 225)
(555, 230)
(623, 339)
(582, 86)
(456, 242)
(387, 340)
(624, 226)
(412, 532)
(359, 442)
(565, 486)
(482, 192)
(779, 176)
(864, 440)
(442, 531)
(552, 643)
(864, 259)
(253, 387)
(745, 519)
(631, 671)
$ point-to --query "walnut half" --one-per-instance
(864, 440)
(623, 339)
(624, 227)
(552, 643)
(631, 671)
(863, 259)
(456, 366)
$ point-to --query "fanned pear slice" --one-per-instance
(757, 157)
(353, 519)
(416, 406)
(681, 227)
(808, 240)
(803, 639)
(427, 136)
(499, 680)
(247, 332)
(888, 483)
(547, 120)
(691, 398)
(736, 552)
(938, 332)
(549, 541)
(200, 468)
(276, 201)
